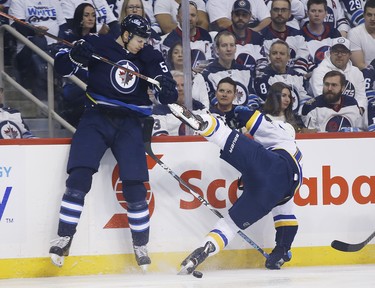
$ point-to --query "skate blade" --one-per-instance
(187, 117)
(57, 260)
(187, 269)
(144, 268)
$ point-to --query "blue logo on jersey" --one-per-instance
(4, 201)
(247, 60)
(122, 80)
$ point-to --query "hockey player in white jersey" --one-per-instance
(271, 173)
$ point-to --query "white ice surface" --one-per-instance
(362, 276)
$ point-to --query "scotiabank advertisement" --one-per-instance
(336, 200)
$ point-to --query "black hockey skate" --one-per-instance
(194, 259)
(59, 249)
(187, 117)
(278, 257)
(141, 256)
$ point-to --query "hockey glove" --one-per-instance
(81, 53)
(254, 101)
(243, 114)
(167, 93)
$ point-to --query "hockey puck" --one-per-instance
(197, 274)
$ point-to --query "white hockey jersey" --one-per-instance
(12, 125)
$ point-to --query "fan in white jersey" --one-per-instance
(362, 38)
(333, 111)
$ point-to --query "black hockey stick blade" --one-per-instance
(347, 247)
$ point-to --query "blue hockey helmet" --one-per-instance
(136, 25)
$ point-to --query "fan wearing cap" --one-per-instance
(338, 59)
(249, 44)
(219, 13)
(116, 104)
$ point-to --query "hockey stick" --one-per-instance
(346, 247)
(148, 124)
(67, 43)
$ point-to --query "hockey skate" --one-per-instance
(141, 256)
(59, 249)
(278, 257)
(194, 259)
(187, 117)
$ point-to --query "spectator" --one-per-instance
(278, 71)
(333, 111)
(338, 58)
(297, 11)
(47, 15)
(279, 106)
(200, 39)
(249, 44)
(318, 34)
(335, 16)
(105, 19)
(175, 59)
(12, 125)
(136, 7)
(165, 12)
(222, 104)
(362, 38)
(369, 76)
(219, 14)
(205, 83)
(165, 122)
(277, 29)
(84, 22)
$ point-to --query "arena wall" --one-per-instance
(336, 201)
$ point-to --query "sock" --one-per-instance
(216, 130)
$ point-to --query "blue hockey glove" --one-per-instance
(254, 101)
(81, 53)
(243, 114)
(167, 93)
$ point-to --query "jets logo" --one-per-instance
(9, 130)
(123, 80)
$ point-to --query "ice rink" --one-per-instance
(302, 277)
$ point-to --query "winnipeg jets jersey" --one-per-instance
(318, 114)
(353, 11)
(299, 54)
(319, 44)
(268, 76)
(200, 44)
(12, 125)
(206, 82)
(112, 86)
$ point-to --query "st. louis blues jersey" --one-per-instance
(111, 86)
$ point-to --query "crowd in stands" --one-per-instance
(249, 45)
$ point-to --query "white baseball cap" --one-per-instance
(341, 41)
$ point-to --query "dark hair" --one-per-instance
(272, 105)
(311, 2)
(335, 73)
(289, 4)
(78, 17)
(281, 42)
(169, 55)
(369, 4)
(190, 3)
(229, 81)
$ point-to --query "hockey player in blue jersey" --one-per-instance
(271, 173)
(115, 105)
